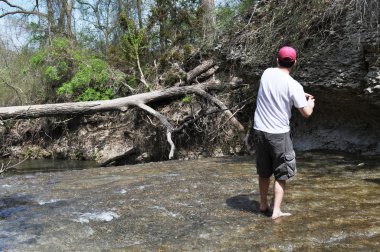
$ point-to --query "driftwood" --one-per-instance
(191, 75)
(139, 100)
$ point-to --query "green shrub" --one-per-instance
(51, 73)
(38, 58)
(74, 73)
(187, 99)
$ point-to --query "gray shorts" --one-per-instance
(275, 155)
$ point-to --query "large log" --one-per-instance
(119, 104)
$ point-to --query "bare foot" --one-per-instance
(264, 208)
(279, 214)
(266, 211)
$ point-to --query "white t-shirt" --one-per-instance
(278, 92)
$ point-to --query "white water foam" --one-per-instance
(143, 187)
(123, 191)
(166, 212)
(44, 202)
(103, 216)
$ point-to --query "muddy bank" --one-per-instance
(102, 137)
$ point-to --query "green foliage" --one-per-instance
(89, 82)
(38, 58)
(246, 5)
(133, 82)
(187, 99)
(91, 94)
(174, 23)
(60, 45)
(74, 73)
(51, 73)
(38, 34)
(133, 43)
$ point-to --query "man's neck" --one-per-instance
(284, 69)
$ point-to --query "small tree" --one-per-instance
(134, 40)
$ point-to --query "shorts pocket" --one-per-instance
(290, 162)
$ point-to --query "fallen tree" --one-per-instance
(141, 101)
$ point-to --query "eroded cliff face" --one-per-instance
(341, 68)
(344, 75)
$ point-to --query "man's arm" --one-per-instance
(308, 110)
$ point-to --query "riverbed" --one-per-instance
(207, 204)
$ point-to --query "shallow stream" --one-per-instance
(203, 205)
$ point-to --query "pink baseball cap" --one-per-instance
(287, 53)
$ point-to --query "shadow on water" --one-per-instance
(19, 213)
(16, 207)
(48, 165)
(244, 202)
(13, 204)
(376, 180)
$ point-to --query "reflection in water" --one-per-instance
(206, 204)
(46, 165)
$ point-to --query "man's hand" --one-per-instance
(308, 96)
(310, 100)
(308, 110)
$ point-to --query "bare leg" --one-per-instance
(264, 187)
(278, 190)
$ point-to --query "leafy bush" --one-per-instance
(187, 99)
(73, 73)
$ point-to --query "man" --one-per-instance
(278, 92)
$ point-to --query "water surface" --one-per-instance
(203, 205)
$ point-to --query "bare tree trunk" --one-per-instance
(65, 17)
(139, 13)
(69, 10)
(50, 18)
(209, 20)
(60, 29)
(162, 25)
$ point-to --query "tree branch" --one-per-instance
(11, 5)
(16, 89)
(165, 122)
(20, 10)
(25, 13)
(206, 65)
(221, 105)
